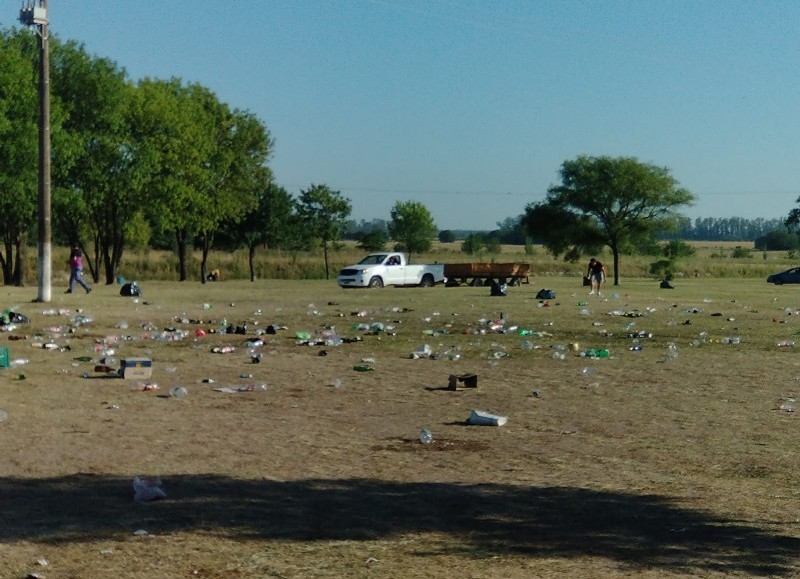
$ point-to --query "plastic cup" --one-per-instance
(178, 392)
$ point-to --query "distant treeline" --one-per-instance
(727, 229)
(511, 231)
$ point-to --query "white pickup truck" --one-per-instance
(380, 269)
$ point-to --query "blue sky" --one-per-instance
(470, 106)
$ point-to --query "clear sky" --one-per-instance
(471, 106)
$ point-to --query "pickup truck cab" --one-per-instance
(389, 268)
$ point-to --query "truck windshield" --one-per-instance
(373, 259)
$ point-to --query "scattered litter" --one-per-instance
(141, 533)
(146, 489)
(425, 436)
(3, 415)
(458, 382)
(148, 387)
(136, 368)
(481, 418)
(423, 351)
(240, 389)
(595, 353)
(223, 350)
(178, 392)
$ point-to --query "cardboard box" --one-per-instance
(137, 368)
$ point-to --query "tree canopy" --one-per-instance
(618, 202)
(412, 226)
(324, 214)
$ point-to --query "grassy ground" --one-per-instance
(632, 465)
(712, 259)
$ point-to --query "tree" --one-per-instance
(99, 191)
(323, 213)
(446, 236)
(604, 201)
(18, 149)
(268, 224)
(412, 226)
(474, 244)
(778, 240)
(375, 240)
(206, 162)
(511, 230)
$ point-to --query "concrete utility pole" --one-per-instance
(34, 14)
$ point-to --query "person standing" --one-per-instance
(596, 275)
(76, 270)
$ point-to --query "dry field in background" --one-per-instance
(618, 467)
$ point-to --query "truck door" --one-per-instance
(395, 270)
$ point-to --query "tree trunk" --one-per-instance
(19, 268)
(7, 262)
(615, 253)
(325, 253)
(251, 253)
(204, 262)
(181, 239)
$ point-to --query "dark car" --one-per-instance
(788, 276)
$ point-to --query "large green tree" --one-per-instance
(618, 202)
(412, 226)
(99, 181)
(206, 162)
(18, 149)
(323, 213)
(270, 224)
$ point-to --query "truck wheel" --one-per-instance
(477, 282)
(427, 281)
(376, 282)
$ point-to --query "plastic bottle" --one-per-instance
(425, 436)
(178, 392)
(16, 363)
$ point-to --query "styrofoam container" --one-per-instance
(481, 418)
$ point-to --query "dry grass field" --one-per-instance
(638, 464)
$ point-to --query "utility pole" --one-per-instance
(34, 14)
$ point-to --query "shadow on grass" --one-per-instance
(646, 531)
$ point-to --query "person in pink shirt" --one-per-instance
(76, 270)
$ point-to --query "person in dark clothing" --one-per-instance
(596, 275)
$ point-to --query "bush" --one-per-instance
(663, 268)
(740, 252)
(778, 240)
